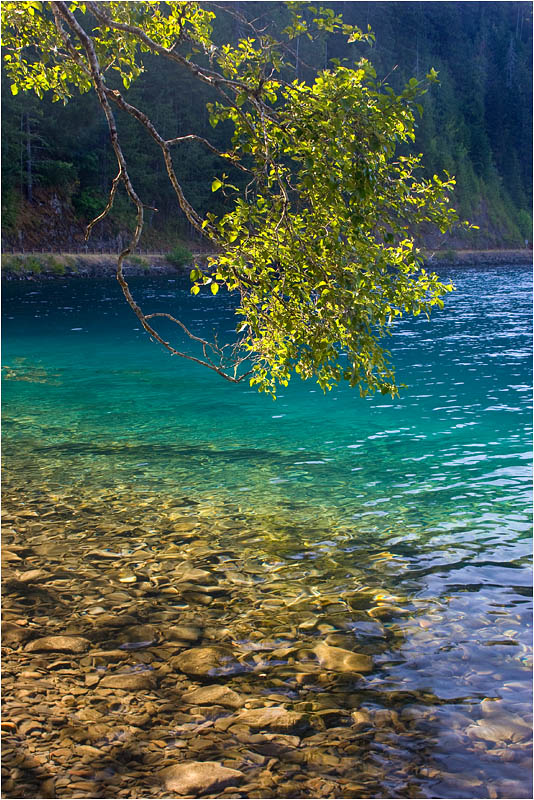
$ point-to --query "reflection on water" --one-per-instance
(392, 529)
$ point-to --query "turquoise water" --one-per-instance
(425, 498)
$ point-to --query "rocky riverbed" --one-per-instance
(158, 648)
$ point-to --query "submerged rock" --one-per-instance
(216, 695)
(59, 644)
(203, 662)
(194, 575)
(183, 633)
(129, 681)
(361, 718)
(386, 611)
(138, 636)
(274, 718)
(13, 634)
(199, 777)
(499, 731)
(339, 660)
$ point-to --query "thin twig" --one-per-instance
(62, 10)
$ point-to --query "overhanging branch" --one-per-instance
(104, 93)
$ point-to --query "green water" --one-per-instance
(424, 498)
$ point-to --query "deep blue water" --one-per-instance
(425, 498)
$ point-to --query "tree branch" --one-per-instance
(103, 93)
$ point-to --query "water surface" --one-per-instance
(337, 505)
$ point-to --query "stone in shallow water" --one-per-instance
(139, 634)
(202, 662)
(386, 611)
(183, 633)
(339, 660)
(500, 730)
(129, 681)
(366, 629)
(8, 555)
(274, 718)
(104, 554)
(360, 600)
(33, 575)
(194, 575)
(218, 695)
(59, 644)
(14, 634)
(361, 718)
(199, 777)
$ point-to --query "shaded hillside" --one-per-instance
(477, 124)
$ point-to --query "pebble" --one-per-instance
(139, 634)
(202, 662)
(340, 660)
(216, 695)
(360, 718)
(60, 644)
(274, 718)
(386, 612)
(199, 777)
(13, 634)
(183, 633)
(499, 731)
(129, 681)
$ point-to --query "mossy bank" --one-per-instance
(34, 266)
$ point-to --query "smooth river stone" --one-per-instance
(339, 660)
(499, 731)
(361, 718)
(146, 634)
(274, 718)
(183, 633)
(194, 575)
(202, 662)
(216, 695)
(129, 681)
(386, 611)
(199, 777)
(14, 634)
(32, 575)
(58, 644)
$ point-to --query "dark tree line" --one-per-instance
(477, 124)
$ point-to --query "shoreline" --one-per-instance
(36, 266)
(466, 258)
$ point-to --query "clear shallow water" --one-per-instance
(422, 501)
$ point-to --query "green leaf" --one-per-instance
(319, 252)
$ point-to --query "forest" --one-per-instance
(266, 511)
(476, 124)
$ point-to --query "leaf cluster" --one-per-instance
(320, 244)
